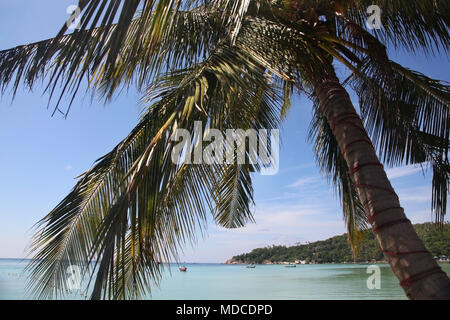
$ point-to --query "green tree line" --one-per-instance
(337, 249)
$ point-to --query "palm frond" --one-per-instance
(234, 193)
(332, 163)
(110, 53)
(226, 64)
(412, 24)
(410, 125)
(135, 208)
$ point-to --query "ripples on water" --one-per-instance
(265, 282)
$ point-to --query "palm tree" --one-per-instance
(236, 64)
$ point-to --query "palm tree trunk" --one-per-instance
(419, 274)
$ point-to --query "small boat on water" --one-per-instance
(290, 266)
(251, 266)
(182, 269)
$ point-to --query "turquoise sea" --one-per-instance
(265, 282)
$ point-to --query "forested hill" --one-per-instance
(337, 249)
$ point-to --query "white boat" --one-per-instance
(290, 266)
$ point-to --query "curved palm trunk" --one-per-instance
(418, 273)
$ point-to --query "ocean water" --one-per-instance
(265, 282)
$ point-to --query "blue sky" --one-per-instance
(40, 156)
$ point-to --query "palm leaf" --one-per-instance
(135, 208)
(410, 125)
(411, 24)
(332, 163)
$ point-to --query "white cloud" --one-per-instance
(315, 216)
(284, 196)
(68, 167)
(288, 220)
(304, 181)
(400, 172)
(306, 211)
(415, 194)
(284, 228)
(420, 216)
(299, 167)
(416, 197)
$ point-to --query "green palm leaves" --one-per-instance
(415, 25)
(408, 119)
(135, 207)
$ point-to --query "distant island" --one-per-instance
(337, 249)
